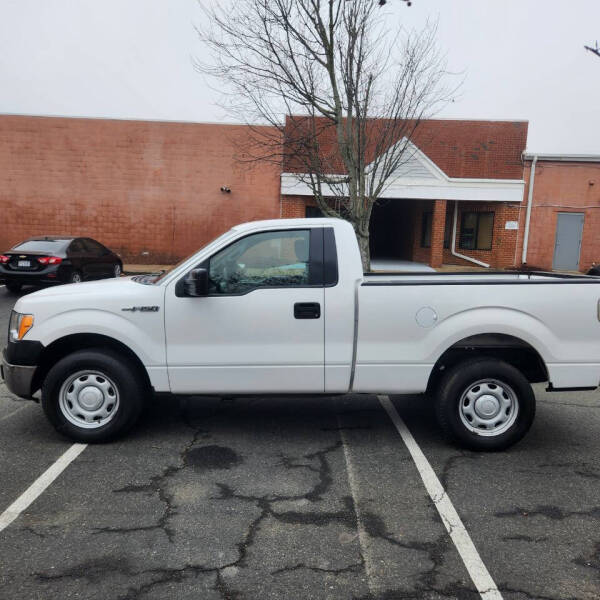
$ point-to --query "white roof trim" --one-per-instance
(433, 184)
(476, 190)
(562, 157)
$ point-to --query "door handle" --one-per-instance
(307, 310)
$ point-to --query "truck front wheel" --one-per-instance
(485, 404)
(92, 395)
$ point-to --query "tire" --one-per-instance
(75, 277)
(117, 270)
(485, 404)
(13, 288)
(93, 395)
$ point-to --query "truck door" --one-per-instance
(261, 326)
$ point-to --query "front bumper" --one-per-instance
(18, 378)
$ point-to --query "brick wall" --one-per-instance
(137, 186)
(563, 187)
(294, 207)
(461, 148)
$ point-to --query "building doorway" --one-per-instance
(567, 245)
(391, 230)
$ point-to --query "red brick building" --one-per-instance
(564, 191)
(149, 190)
(156, 191)
(470, 172)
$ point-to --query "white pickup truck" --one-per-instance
(283, 307)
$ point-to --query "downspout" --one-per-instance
(529, 205)
(453, 245)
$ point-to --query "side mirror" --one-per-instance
(196, 283)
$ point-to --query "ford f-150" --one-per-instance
(283, 307)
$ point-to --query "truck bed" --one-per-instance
(476, 277)
(406, 322)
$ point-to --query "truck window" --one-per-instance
(268, 259)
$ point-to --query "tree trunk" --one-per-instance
(365, 251)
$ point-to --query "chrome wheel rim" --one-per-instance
(488, 407)
(117, 270)
(76, 278)
(89, 399)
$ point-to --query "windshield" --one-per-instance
(156, 277)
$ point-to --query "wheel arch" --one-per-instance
(68, 344)
(508, 348)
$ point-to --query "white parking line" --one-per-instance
(460, 536)
(39, 485)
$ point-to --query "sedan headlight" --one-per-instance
(19, 325)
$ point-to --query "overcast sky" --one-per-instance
(522, 59)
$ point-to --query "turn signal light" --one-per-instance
(4, 259)
(25, 325)
(19, 325)
(49, 260)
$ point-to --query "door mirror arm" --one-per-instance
(196, 283)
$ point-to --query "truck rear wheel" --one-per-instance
(92, 395)
(485, 404)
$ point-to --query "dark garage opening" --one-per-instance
(391, 230)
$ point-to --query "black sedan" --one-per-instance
(52, 260)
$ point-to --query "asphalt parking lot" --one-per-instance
(267, 498)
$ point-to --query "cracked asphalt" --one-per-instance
(280, 498)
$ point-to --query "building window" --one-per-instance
(427, 218)
(476, 230)
(313, 212)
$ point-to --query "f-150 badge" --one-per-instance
(142, 309)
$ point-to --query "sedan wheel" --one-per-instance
(117, 271)
(75, 277)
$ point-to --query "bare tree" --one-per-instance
(353, 89)
(594, 49)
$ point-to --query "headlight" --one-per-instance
(19, 325)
